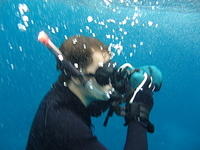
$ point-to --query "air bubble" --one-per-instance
(134, 46)
(156, 25)
(2, 27)
(84, 46)
(10, 46)
(87, 27)
(89, 19)
(74, 41)
(132, 23)
(21, 27)
(75, 65)
(120, 29)
(65, 26)
(23, 8)
(150, 23)
(32, 21)
(123, 22)
(65, 37)
(12, 66)
(53, 30)
(111, 21)
(107, 2)
(20, 48)
(136, 8)
(57, 29)
(25, 18)
(26, 24)
(101, 23)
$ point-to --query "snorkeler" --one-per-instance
(89, 84)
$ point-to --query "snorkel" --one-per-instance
(69, 68)
(44, 39)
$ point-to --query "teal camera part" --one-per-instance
(153, 71)
(136, 79)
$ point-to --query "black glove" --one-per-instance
(139, 108)
(120, 80)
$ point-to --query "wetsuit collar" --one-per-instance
(72, 102)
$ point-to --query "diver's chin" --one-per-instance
(96, 97)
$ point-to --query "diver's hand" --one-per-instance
(121, 79)
(96, 108)
(140, 104)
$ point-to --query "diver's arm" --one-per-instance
(144, 80)
(137, 118)
(136, 138)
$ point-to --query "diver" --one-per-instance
(89, 84)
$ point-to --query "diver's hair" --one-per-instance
(78, 49)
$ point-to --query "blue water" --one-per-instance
(167, 35)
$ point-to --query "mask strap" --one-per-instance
(89, 75)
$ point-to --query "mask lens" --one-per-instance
(101, 78)
(104, 74)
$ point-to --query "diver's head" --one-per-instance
(87, 55)
(79, 50)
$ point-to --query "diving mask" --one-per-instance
(103, 74)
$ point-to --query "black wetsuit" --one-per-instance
(62, 122)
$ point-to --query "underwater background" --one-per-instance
(165, 33)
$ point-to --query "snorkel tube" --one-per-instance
(69, 68)
(44, 39)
